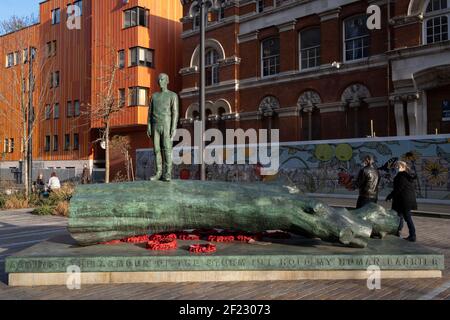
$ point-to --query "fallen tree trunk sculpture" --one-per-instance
(104, 212)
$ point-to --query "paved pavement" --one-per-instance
(19, 230)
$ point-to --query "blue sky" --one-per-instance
(19, 8)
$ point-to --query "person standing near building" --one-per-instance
(367, 183)
(40, 184)
(54, 184)
(86, 175)
(404, 198)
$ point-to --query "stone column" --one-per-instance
(413, 107)
(399, 119)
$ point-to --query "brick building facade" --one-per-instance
(315, 71)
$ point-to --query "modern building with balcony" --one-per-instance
(138, 39)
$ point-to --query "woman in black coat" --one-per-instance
(404, 198)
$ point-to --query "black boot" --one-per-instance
(411, 238)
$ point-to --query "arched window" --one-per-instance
(212, 67)
(356, 42)
(270, 56)
(436, 21)
(310, 48)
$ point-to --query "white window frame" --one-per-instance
(262, 58)
(344, 46)
(214, 68)
(300, 49)
(56, 111)
(76, 108)
(56, 18)
(432, 15)
(147, 54)
(259, 6)
(137, 90)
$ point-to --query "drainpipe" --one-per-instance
(389, 67)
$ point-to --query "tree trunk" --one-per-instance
(107, 170)
(101, 213)
(25, 166)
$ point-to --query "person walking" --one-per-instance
(404, 198)
(53, 183)
(86, 175)
(367, 183)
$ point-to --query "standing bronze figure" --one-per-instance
(162, 126)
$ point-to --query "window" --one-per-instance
(25, 55)
(54, 79)
(436, 21)
(56, 82)
(11, 145)
(69, 109)
(56, 16)
(56, 111)
(310, 48)
(211, 67)
(135, 17)
(356, 38)
(270, 57)
(76, 141)
(76, 108)
(436, 5)
(55, 143)
(141, 57)
(17, 58)
(47, 143)
(138, 96)
(259, 6)
(66, 142)
(54, 47)
(121, 59)
(79, 4)
(122, 97)
(6, 146)
(437, 29)
(9, 60)
(51, 48)
(48, 112)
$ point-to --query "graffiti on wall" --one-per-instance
(332, 166)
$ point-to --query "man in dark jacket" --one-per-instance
(404, 198)
(86, 175)
(367, 182)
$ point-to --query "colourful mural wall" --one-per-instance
(331, 167)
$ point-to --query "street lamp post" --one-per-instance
(201, 8)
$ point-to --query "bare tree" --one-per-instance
(26, 79)
(122, 145)
(107, 102)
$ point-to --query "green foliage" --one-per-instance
(44, 210)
